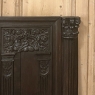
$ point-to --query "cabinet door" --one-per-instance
(30, 56)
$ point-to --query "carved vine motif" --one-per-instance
(22, 39)
(44, 67)
(70, 27)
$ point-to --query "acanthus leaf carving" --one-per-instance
(7, 66)
(44, 67)
(7, 75)
(70, 27)
(44, 76)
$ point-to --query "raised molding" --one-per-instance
(53, 44)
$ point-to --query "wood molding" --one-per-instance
(50, 43)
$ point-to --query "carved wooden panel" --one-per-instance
(39, 55)
(25, 39)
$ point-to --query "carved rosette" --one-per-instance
(70, 27)
(25, 39)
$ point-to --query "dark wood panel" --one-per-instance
(17, 74)
(39, 55)
(57, 78)
(70, 55)
(29, 74)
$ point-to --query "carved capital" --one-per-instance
(7, 65)
(7, 74)
(44, 67)
(70, 27)
(44, 70)
(44, 61)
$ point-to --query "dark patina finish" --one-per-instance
(39, 55)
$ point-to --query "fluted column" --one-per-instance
(70, 55)
(7, 74)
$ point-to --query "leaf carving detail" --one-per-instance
(25, 39)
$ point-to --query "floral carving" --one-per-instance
(25, 39)
(70, 27)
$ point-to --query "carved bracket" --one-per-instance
(44, 67)
(7, 75)
(70, 27)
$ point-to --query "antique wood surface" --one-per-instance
(84, 9)
(39, 55)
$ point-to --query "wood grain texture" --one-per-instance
(94, 72)
(8, 8)
(84, 9)
(91, 46)
(17, 7)
(42, 8)
(0, 7)
(73, 6)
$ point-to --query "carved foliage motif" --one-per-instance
(25, 39)
(44, 67)
(7, 66)
(7, 69)
(70, 27)
(44, 76)
(7, 75)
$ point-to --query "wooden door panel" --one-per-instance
(39, 55)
